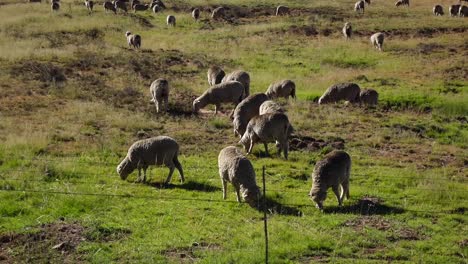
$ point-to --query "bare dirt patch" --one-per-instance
(376, 222)
(297, 142)
(188, 254)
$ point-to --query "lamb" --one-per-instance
(234, 167)
(55, 6)
(270, 107)
(282, 10)
(108, 6)
(170, 20)
(160, 150)
(347, 30)
(133, 40)
(215, 75)
(377, 40)
(438, 10)
(453, 10)
(359, 6)
(89, 5)
(240, 76)
(159, 90)
(402, 2)
(332, 171)
(119, 4)
(227, 92)
(140, 7)
(463, 11)
(267, 128)
(246, 110)
(196, 14)
(341, 91)
(284, 88)
(218, 13)
(368, 97)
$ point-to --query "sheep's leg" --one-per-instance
(238, 193)
(345, 194)
(169, 177)
(166, 104)
(266, 149)
(224, 188)
(251, 146)
(335, 189)
(144, 173)
(179, 168)
(285, 149)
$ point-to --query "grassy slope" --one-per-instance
(69, 137)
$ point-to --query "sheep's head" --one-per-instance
(128, 33)
(245, 141)
(347, 24)
(252, 196)
(125, 168)
(196, 105)
(318, 196)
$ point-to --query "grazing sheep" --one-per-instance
(196, 14)
(359, 6)
(377, 40)
(270, 107)
(463, 11)
(368, 97)
(332, 171)
(242, 77)
(159, 3)
(55, 6)
(402, 3)
(438, 10)
(156, 8)
(341, 91)
(218, 13)
(282, 10)
(140, 7)
(234, 167)
(134, 2)
(89, 5)
(159, 90)
(347, 30)
(267, 128)
(170, 20)
(133, 40)
(161, 150)
(246, 110)
(119, 4)
(453, 10)
(215, 75)
(227, 92)
(108, 6)
(284, 88)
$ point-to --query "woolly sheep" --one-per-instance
(234, 167)
(463, 11)
(270, 106)
(438, 10)
(453, 10)
(242, 77)
(377, 40)
(89, 5)
(402, 2)
(246, 110)
(156, 8)
(368, 97)
(159, 3)
(215, 75)
(347, 30)
(341, 91)
(159, 90)
(282, 10)
(108, 6)
(55, 6)
(218, 13)
(196, 13)
(140, 7)
(332, 171)
(359, 6)
(134, 2)
(133, 40)
(161, 150)
(268, 128)
(284, 88)
(119, 4)
(227, 92)
(170, 20)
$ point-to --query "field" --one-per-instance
(74, 97)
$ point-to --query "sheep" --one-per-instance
(270, 106)
(227, 92)
(341, 91)
(240, 76)
(267, 128)
(402, 2)
(133, 40)
(438, 10)
(368, 97)
(463, 11)
(215, 75)
(377, 40)
(170, 20)
(134, 2)
(332, 171)
(108, 6)
(140, 7)
(282, 10)
(159, 3)
(347, 30)
(359, 6)
(453, 10)
(119, 4)
(156, 8)
(89, 5)
(55, 6)
(218, 13)
(246, 110)
(284, 88)
(196, 14)
(160, 150)
(159, 90)
(234, 167)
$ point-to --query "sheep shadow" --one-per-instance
(274, 207)
(365, 206)
(188, 185)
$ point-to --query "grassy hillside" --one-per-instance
(73, 98)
